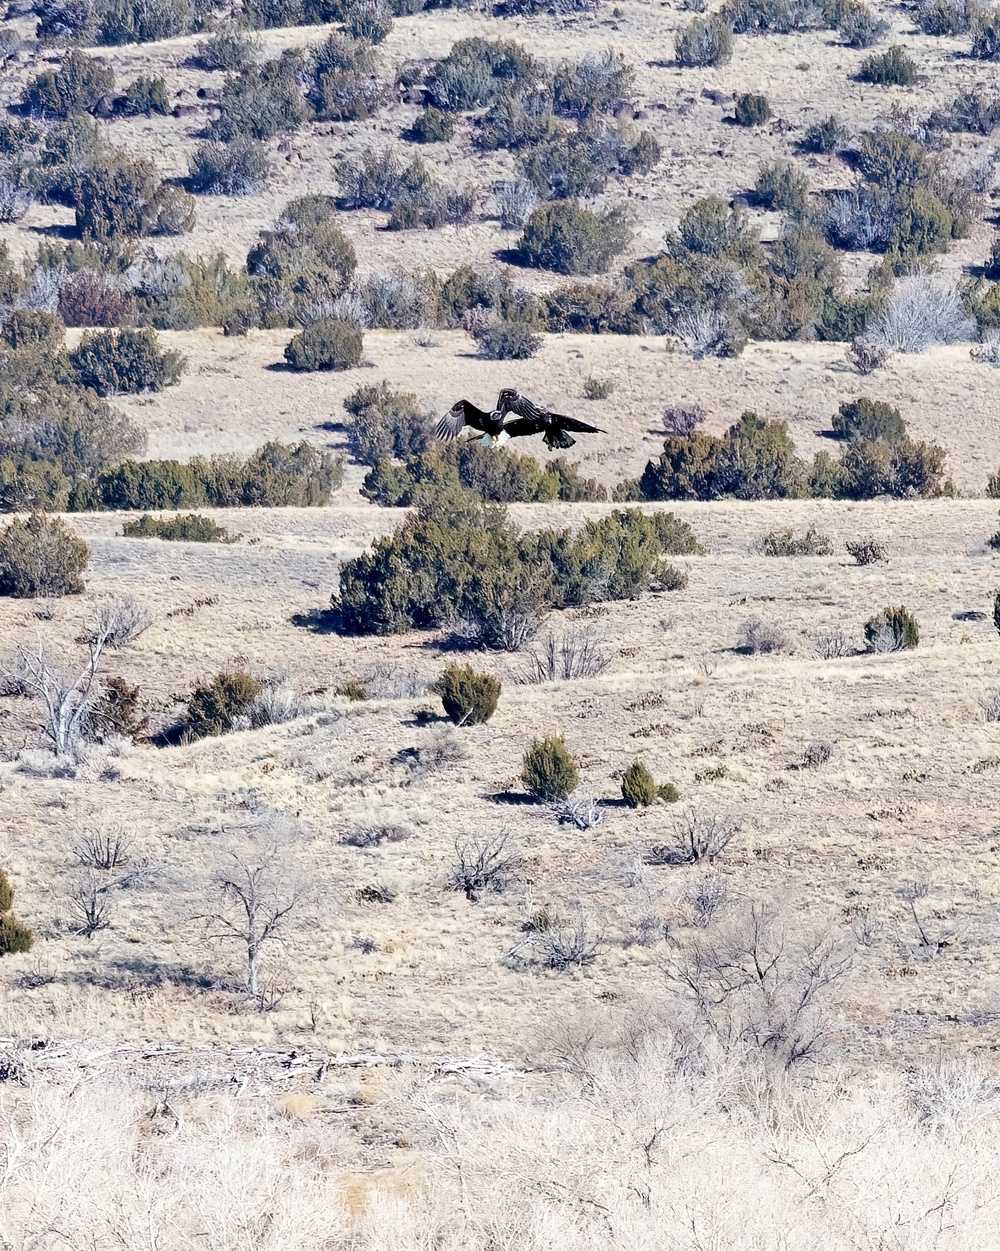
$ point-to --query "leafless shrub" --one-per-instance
(371, 834)
(394, 300)
(867, 550)
(707, 896)
(440, 748)
(921, 313)
(988, 352)
(515, 202)
(709, 332)
(698, 835)
(816, 754)
(758, 988)
(376, 892)
(567, 658)
(106, 848)
(989, 704)
(582, 811)
(90, 904)
(277, 704)
(388, 681)
(484, 863)
(68, 698)
(570, 948)
(866, 356)
(912, 892)
(865, 926)
(15, 200)
(952, 1091)
(835, 645)
(682, 421)
(118, 620)
(761, 638)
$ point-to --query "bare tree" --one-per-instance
(90, 903)
(68, 698)
(757, 988)
(257, 900)
(484, 863)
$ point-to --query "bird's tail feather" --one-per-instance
(559, 439)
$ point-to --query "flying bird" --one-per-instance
(530, 419)
(463, 413)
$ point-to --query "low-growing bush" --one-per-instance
(705, 41)
(190, 528)
(506, 340)
(787, 543)
(892, 630)
(468, 697)
(638, 787)
(144, 96)
(782, 185)
(825, 136)
(597, 388)
(385, 423)
(76, 86)
(329, 343)
(986, 37)
(760, 638)
(228, 48)
(548, 771)
(893, 68)
(860, 28)
(477, 72)
(15, 936)
(138, 21)
(921, 313)
(237, 168)
(573, 240)
(867, 550)
(869, 419)
(432, 126)
(126, 362)
(214, 707)
(41, 556)
(752, 110)
(261, 101)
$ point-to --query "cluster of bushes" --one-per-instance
(113, 22)
(381, 180)
(189, 528)
(278, 475)
(709, 40)
(56, 435)
(756, 459)
(459, 561)
(909, 204)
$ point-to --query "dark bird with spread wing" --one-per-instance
(528, 419)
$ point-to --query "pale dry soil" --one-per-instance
(908, 793)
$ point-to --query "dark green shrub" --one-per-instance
(469, 697)
(782, 185)
(327, 344)
(117, 711)
(869, 468)
(268, 14)
(893, 68)
(573, 240)
(277, 475)
(590, 308)
(306, 260)
(28, 327)
(506, 341)
(860, 28)
(668, 793)
(160, 484)
(825, 136)
(15, 936)
(75, 87)
(476, 73)
(638, 787)
(213, 708)
(237, 168)
(137, 21)
(892, 630)
(126, 198)
(191, 528)
(597, 388)
(385, 423)
(548, 771)
(432, 126)
(752, 110)
(869, 419)
(125, 362)
(369, 21)
(711, 228)
(228, 48)
(705, 41)
(564, 167)
(41, 556)
(986, 36)
(261, 101)
(144, 96)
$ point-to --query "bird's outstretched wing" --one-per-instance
(572, 423)
(459, 416)
(511, 401)
(525, 425)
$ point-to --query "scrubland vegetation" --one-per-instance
(412, 842)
